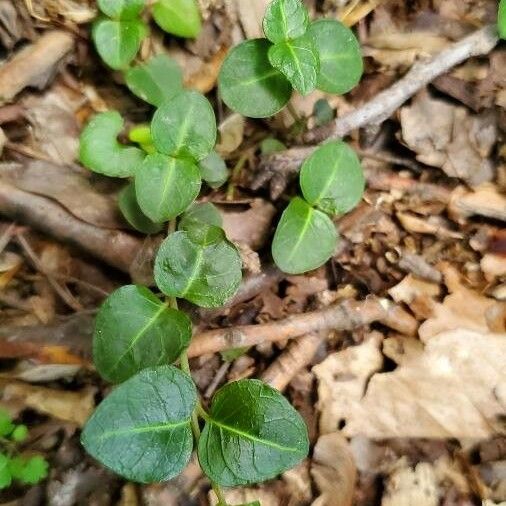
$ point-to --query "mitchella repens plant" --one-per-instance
(147, 428)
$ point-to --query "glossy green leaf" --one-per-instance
(141, 430)
(199, 265)
(100, 151)
(179, 17)
(166, 186)
(305, 238)
(6, 425)
(252, 435)
(298, 61)
(341, 64)
(200, 212)
(249, 84)
(121, 9)
(129, 207)
(29, 471)
(285, 19)
(501, 19)
(213, 170)
(185, 126)
(332, 178)
(157, 80)
(5, 473)
(270, 145)
(118, 42)
(135, 330)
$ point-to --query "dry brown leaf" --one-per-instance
(402, 349)
(455, 388)
(412, 487)
(434, 225)
(267, 496)
(484, 201)
(251, 15)
(231, 134)
(493, 266)
(411, 288)
(450, 137)
(72, 407)
(334, 471)
(204, 78)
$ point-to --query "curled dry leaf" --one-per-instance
(334, 471)
(448, 136)
(231, 131)
(483, 201)
(72, 407)
(412, 401)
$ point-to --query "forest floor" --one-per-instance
(405, 394)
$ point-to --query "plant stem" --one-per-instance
(235, 175)
(293, 113)
(199, 410)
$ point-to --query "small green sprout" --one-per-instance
(27, 470)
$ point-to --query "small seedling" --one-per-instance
(28, 470)
(120, 29)
(258, 76)
(148, 427)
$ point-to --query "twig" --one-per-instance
(383, 105)
(347, 315)
(62, 291)
(114, 247)
(297, 356)
(418, 266)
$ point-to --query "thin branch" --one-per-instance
(347, 315)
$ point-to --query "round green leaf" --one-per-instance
(135, 330)
(199, 265)
(501, 19)
(20, 433)
(118, 42)
(100, 151)
(6, 425)
(29, 471)
(249, 84)
(298, 61)
(200, 212)
(252, 434)
(341, 64)
(285, 19)
(129, 207)
(5, 473)
(157, 80)
(185, 126)
(305, 238)
(166, 186)
(332, 178)
(179, 17)
(142, 429)
(121, 9)
(213, 170)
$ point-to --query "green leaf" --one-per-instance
(213, 170)
(157, 80)
(166, 186)
(118, 42)
(135, 330)
(100, 151)
(29, 471)
(5, 473)
(341, 64)
(252, 435)
(185, 126)
(200, 212)
(6, 425)
(127, 201)
(179, 17)
(199, 265)
(285, 19)
(270, 145)
(501, 19)
(332, 178)
(121, 9)
(305, 238)
(142, 429)
(249, 84)
(322, 111)
(20, 433)
(298, 61)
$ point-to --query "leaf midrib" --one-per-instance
(305, 226)
(265, 442)
(140, 430)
